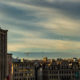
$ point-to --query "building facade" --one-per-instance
(46, 69)
(9, 66)
(61, 70)
(23, 71)
(3, 53)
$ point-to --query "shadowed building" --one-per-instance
(9, 66)
(61, 70)
(3, 53)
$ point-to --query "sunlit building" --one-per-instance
(23, 71)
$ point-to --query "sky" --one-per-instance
(42, 26)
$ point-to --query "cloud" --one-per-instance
(48, 25)
(66, 26)
(44, 45)
(68, 7)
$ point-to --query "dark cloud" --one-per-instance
(52, 35)
(17, 13)
(19, 19)
(70, 8)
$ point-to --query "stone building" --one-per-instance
(23, 70)
(3, 53)
(61, 70)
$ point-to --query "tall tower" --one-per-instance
(3, 53)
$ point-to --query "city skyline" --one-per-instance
(42, 26)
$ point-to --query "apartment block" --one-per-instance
(61, 70)
(23, 70)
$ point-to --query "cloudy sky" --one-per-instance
(42, 25)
